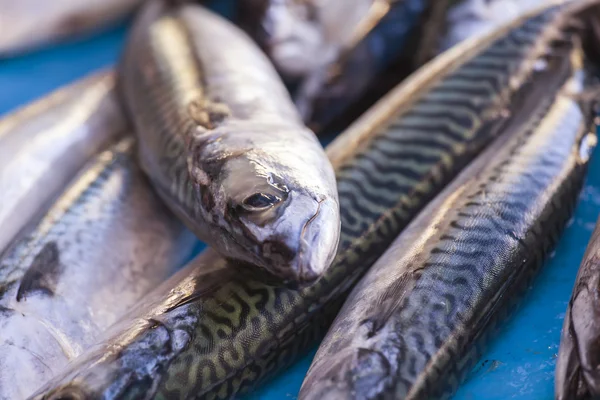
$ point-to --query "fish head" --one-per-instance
(293, 36)
(276, 207)
(292, 228)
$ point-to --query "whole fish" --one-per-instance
(28, 24)
(45, 144)
(105, 243)
(414, 326)
(220, 335)
(224, 146)
(393, 39)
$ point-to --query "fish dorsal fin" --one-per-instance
(43, 273)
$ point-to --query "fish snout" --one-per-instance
(318, 242)
(301, 248)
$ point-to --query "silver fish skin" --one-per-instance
(301, 36)
(29, 24)
(414, 326)
(224, 146)
(45, 144)
(105, 243)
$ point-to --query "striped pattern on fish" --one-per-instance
(221, 342)
(414, 326)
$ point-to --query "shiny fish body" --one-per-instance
(221, 335)
(576, 367)
(415, 325)
(299, 36)
(224, 145)
(45, 144)
(28, 24)
(105, 243)
(392, 41)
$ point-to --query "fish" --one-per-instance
(224, 146)
(392, 40)
(417, 323)
(44, 145)
(222, 335)
(30, 24)
(102, 245)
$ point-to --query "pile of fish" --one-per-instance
(405, 243)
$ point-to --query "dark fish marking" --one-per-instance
(43, 273)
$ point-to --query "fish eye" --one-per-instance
(260, 201)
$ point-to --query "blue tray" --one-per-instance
(519, 363)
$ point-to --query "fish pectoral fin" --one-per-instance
(388, 302)
(43, 273)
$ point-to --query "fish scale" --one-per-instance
(416, 324)
(231, 352)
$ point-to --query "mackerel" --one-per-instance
(224, 146)
(220, 335)
(417, 322)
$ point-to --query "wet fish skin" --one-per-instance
(224, 145)
(300, 35)
(415, 325)
(45, 144)
(391, 42)
(222, 335)
(104, 244)
(29, 24)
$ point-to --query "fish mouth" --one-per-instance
(319, 239)
(297, 251)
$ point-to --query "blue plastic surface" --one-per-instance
(520, 361)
